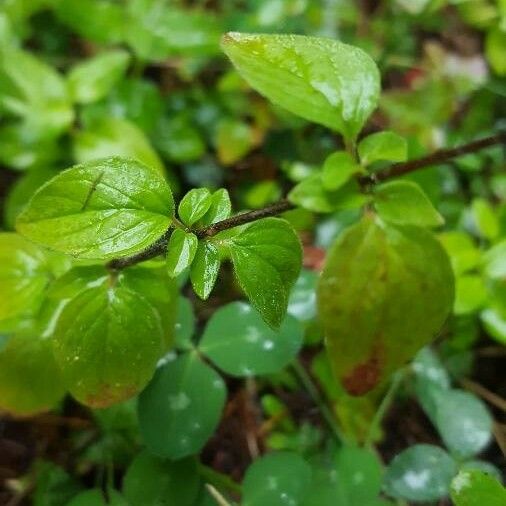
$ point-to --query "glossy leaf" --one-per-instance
(30, 381)
(92, 79)
(24, 274)
(421, 473)
(194, 205)
(338, 169)
(99, 210)
(302, 302)
(205, 268)
(107, 342)
(366, 300)
(475, 488)
(275, 479)
(175, 418)
(383, 146)
(321, 80)
(405, 203)
(240, 343)
(180, 251)
(115, 137)
(220, 208)
(464, 423)
(267, 259)
(151, 481)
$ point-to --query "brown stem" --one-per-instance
(395, 170)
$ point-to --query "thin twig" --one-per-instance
(398, 169)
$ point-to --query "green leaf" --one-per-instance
(495, 261)
(194, 205)
(464, 423)
(464, 255)
(494, 321)
(152, 481)
(233, 140)
(107, 342)
(373, 275)
(475, 488)
(31, 89)
(311, 194)
(276, 478)
(382, 146)
(267, 258)
(92, 79)
(238, 341)
(30, 381)
(205, 268)
(338, 169)
(176, 418)
(185, 324)
(405, 203)
(220, 208)
(485, 219)
(180, 251)
(421, 473)
(156, 30)
(470, 294)
(99, 210)
(321, 80)
(161, 292)
(115, 137)
(25, 271)
(495, 47)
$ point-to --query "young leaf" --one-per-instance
(194, 205)
(290, 474)
(175, 418)
(338, 169)
(238, 341)
(180, 251)
(373, 275)
(220, 208)
(150, 480)
(30, 380)
(422, 473)
(115, 137)
(382, 146)
(319, 79)
(24, 274)
(91, 80)
(205, 268)
(107, 342)
(267, 258)
(463, 421)
(405, 203)
(99, 210)
(312, 195)
(475, 488)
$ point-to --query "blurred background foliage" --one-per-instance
(82, 79)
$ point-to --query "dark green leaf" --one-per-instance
(405, 203)
(185, 324)
(108, 340)
(176, 418)
(238, 341)
(421, 473)
(150, 481)
(99, 210)
(267, 259)
(321, 80)
(205, 268)
(275, 479)
(194, 205)
(180, 251)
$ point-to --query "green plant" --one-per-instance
(91, 299)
